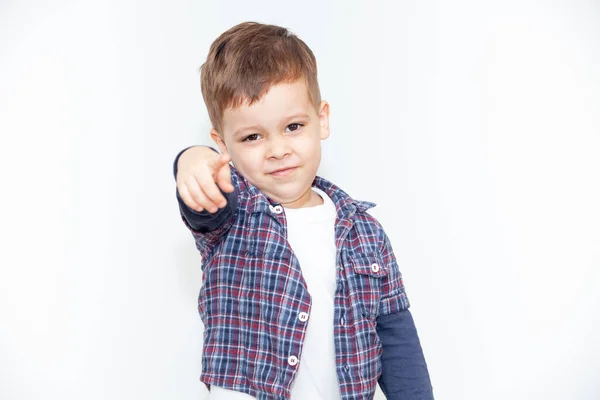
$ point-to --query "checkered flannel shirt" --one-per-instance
(253, 292)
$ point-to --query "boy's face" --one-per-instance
(276, 142)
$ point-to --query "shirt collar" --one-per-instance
(345, 205)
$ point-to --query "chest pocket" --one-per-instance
(364, 280)
(265, 238)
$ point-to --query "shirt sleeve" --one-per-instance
(393, 294)
(404, 370)
(207, 227)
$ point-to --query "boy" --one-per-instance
(301, 296)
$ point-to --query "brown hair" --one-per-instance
(246, 60)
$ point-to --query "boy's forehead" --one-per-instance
(281, 101)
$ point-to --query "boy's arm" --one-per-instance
(404, 370)
(205, 221)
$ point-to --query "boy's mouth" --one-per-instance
(283, 171)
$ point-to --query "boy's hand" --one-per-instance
(199, 170)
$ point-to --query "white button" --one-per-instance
(374, 267)
(277, 209)
(303, 316)
(293, 360)
(342, 321)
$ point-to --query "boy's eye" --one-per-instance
(294, 127)
(251, 138)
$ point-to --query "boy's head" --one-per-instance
(260, 86)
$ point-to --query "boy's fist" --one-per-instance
(199, 171)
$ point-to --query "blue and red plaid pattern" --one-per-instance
(253, 292)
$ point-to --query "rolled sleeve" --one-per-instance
(393, 293)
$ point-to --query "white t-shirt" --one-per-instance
(311, 234)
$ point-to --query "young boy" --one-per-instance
(301, 294)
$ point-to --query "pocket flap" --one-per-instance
(369, 264)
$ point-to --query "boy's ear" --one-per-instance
(218, 139)
(324, 120)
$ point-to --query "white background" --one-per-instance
(475, 125)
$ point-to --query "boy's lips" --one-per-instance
(283, 171)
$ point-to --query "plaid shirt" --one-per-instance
(253, 294)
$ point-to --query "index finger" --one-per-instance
(223, 159)
(223, 179)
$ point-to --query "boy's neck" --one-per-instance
(308, 199)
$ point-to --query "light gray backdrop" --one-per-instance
(473, 124)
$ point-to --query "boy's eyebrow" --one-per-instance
(299, 115)
(258, 126)
(246, 128)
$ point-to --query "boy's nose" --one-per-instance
(279, 147)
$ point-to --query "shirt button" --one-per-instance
(375, 267)
(342, 321)
(303, 316)
(346, 368)
(292, 360)
(277, 209)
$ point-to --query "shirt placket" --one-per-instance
(293, 356)
(342, 344)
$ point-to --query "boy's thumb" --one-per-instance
(224, 178)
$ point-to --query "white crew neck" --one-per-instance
(316, 213)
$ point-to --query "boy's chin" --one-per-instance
(291, 197)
